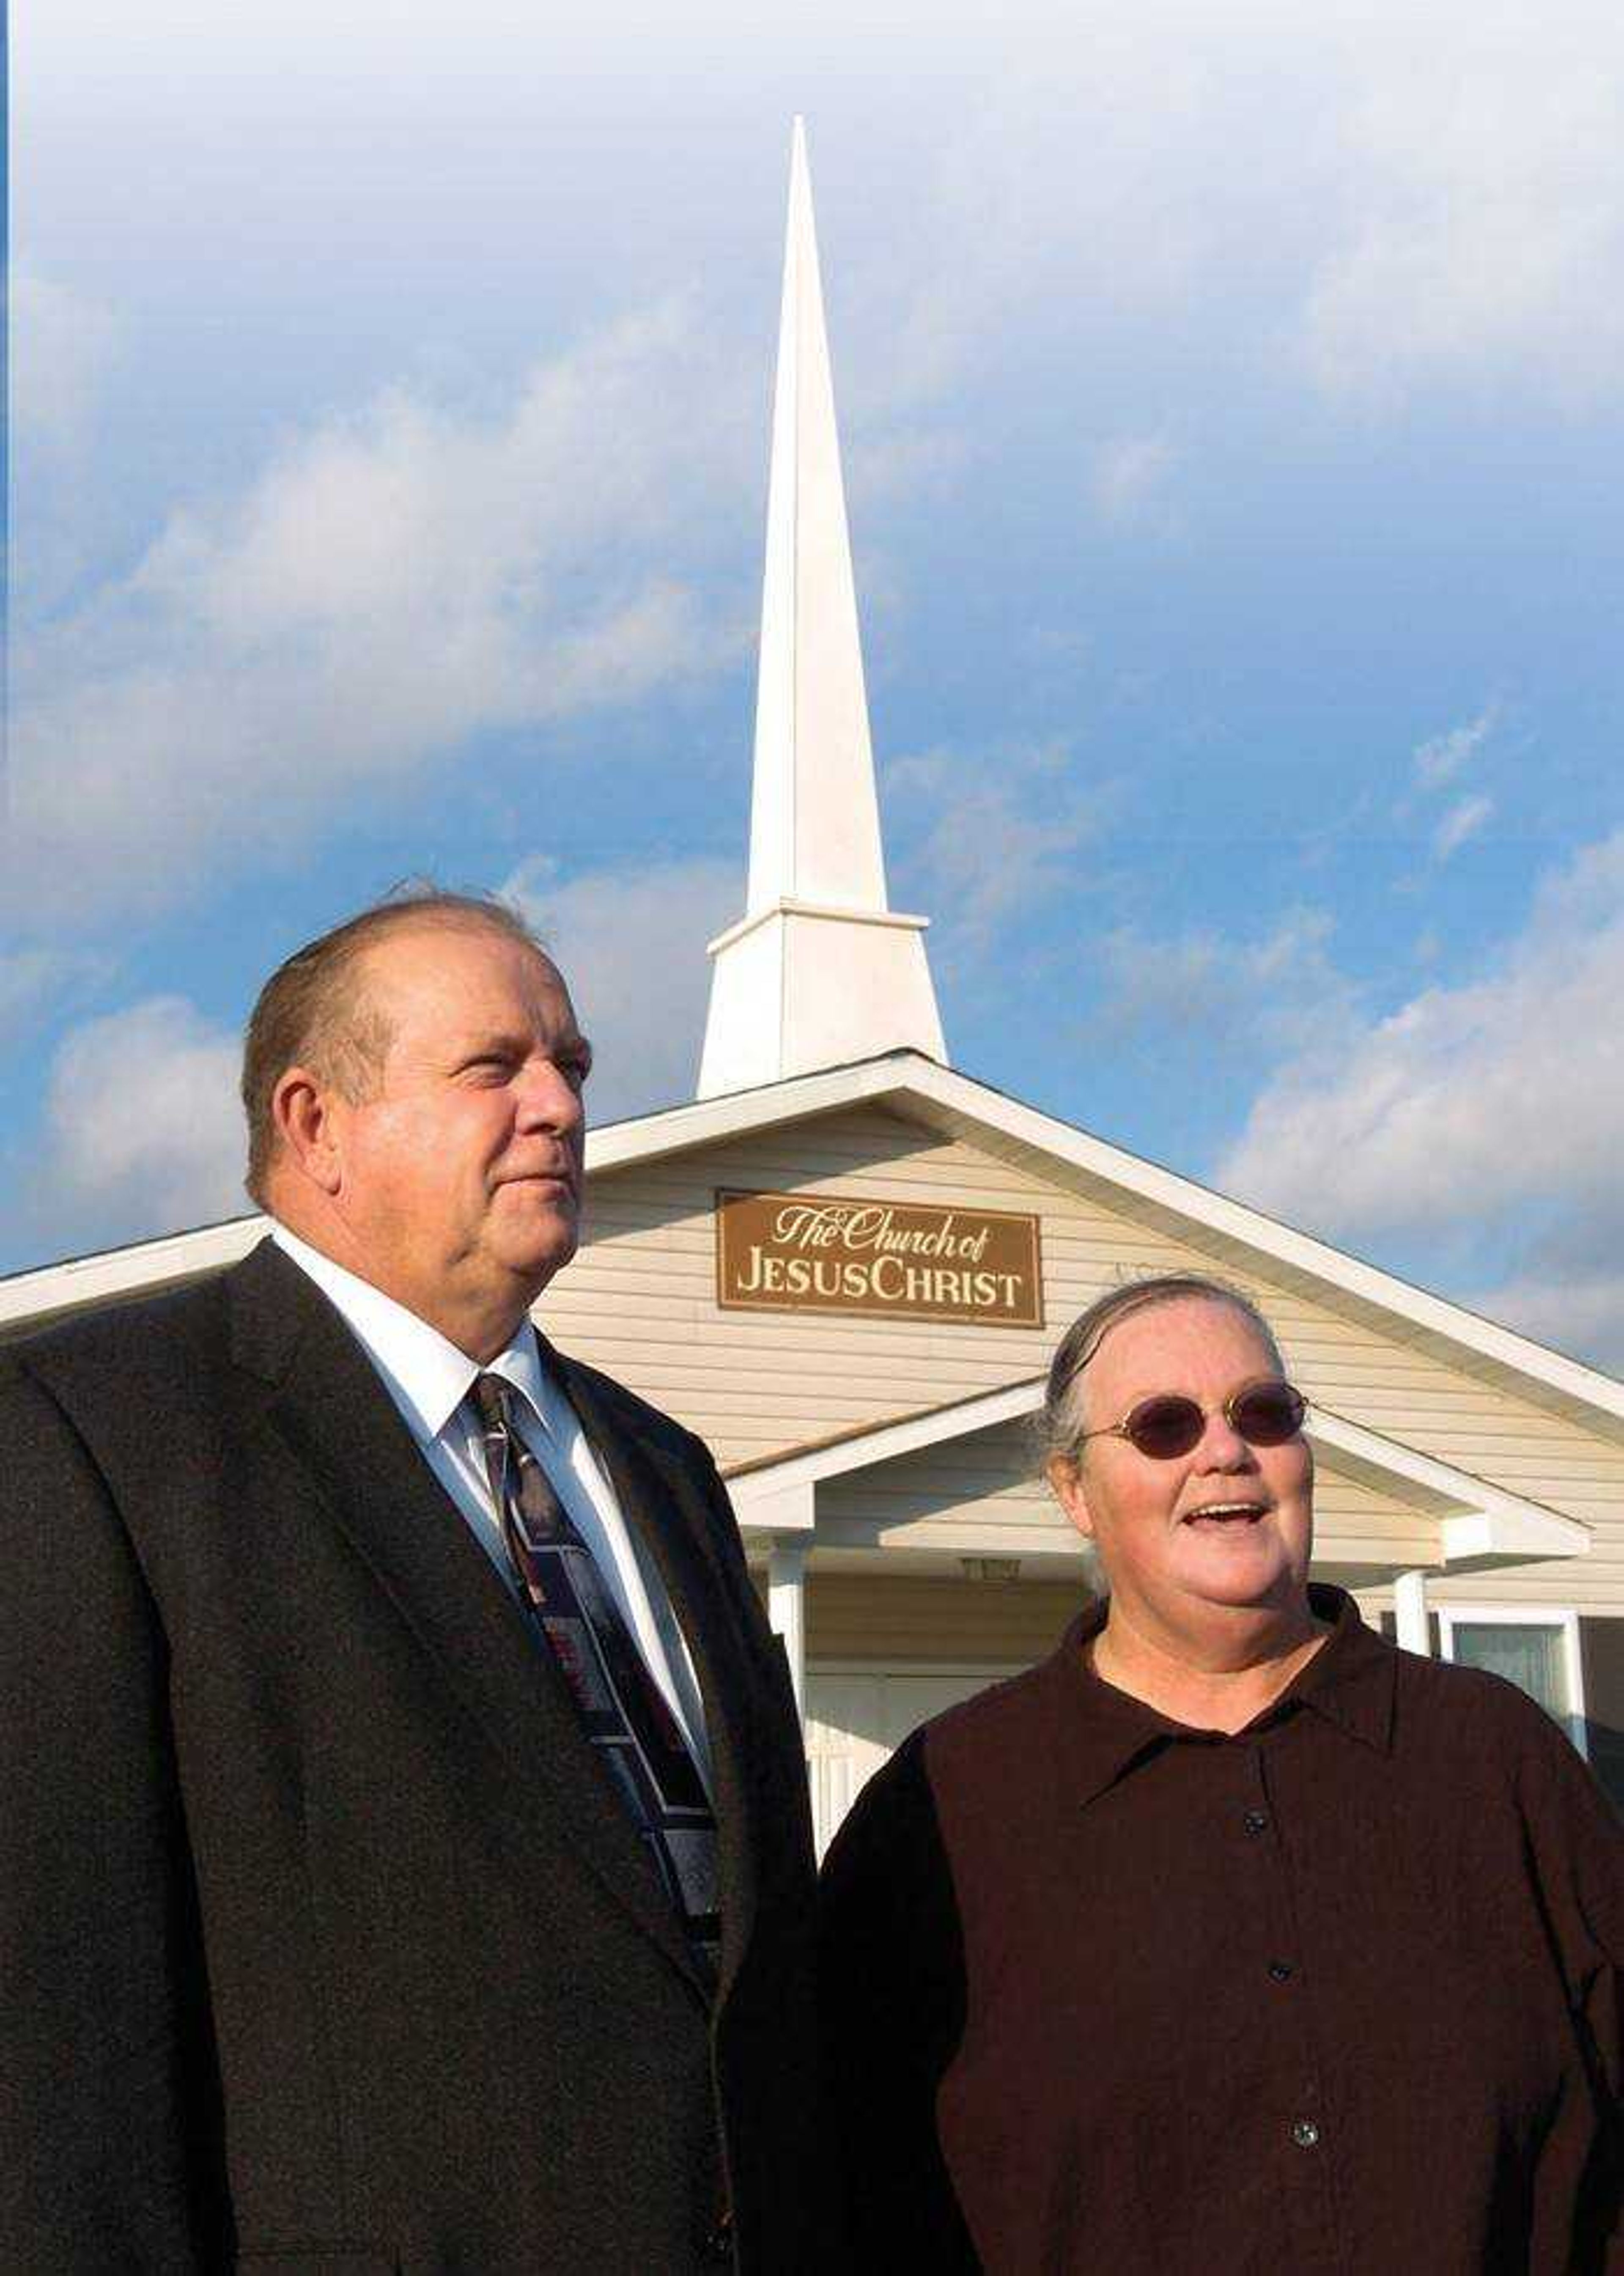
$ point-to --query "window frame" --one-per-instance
(1565, 1617)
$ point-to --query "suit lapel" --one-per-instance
(335, 1420)
(669, 1522)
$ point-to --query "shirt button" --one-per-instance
(1305, 2134)
(718, 2244)
(1280, 1971)
(1255, 1821)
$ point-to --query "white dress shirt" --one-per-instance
(429, 1379)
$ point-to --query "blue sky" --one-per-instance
(1233, 419)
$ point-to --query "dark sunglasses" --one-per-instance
(1168, 1423)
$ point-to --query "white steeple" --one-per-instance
(817, 970)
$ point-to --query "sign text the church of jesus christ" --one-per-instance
(902, 1260)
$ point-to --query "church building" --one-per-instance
(846, 1262)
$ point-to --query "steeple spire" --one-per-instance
(818, 970)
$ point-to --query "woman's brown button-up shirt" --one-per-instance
(1338, 1993)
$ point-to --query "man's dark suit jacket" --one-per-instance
(323, 1944)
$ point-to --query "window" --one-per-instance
(1537, 1651)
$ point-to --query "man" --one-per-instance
(387, 1712)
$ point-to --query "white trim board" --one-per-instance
(30, 1299)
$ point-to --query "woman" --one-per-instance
(1230, 1938)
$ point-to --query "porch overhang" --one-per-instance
(1477, 1527)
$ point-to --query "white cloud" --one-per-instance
(630, 942)
(1483, 1123)
(1441, 757)
(1471, 1102)
(1129, 479)
(1463, 820)
(1279, 993)
(1579, 1310)
(36, 981)
(1389, 200)
(1436, 764)
(1397, 195)
(901, 461)
(62, 347)
(394, 583)
(986, 836)
(142, 1131)
(1484, 201)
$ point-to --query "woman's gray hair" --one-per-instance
(1060, 1422)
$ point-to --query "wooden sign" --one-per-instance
(883, 1260)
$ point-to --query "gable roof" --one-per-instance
(1479, 1523)
(956, 1106)
(1245, 1240)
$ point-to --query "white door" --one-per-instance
(856, 1720)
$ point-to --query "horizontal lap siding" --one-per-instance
(1355, 1525)
(640, 1301)
(895, 1621)
(986, 1479)
(641, 1296)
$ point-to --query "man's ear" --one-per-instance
(302, 1113)
(1065, 1475)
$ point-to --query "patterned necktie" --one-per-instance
(622, 1709)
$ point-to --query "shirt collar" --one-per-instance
(1101, 1734)
(429, 1377)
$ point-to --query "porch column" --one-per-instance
(787, 1607)
(1409, 1600)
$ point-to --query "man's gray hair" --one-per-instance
(1060, 1423)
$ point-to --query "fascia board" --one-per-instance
(932, 1426)
(52, 1291)
(1510, 1535)
(1535, 1529)
(767, 1503)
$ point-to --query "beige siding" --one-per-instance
(640, 1301)
(895, 1621)
(986, 1479)
(1353, 1525)
(983, 1479)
